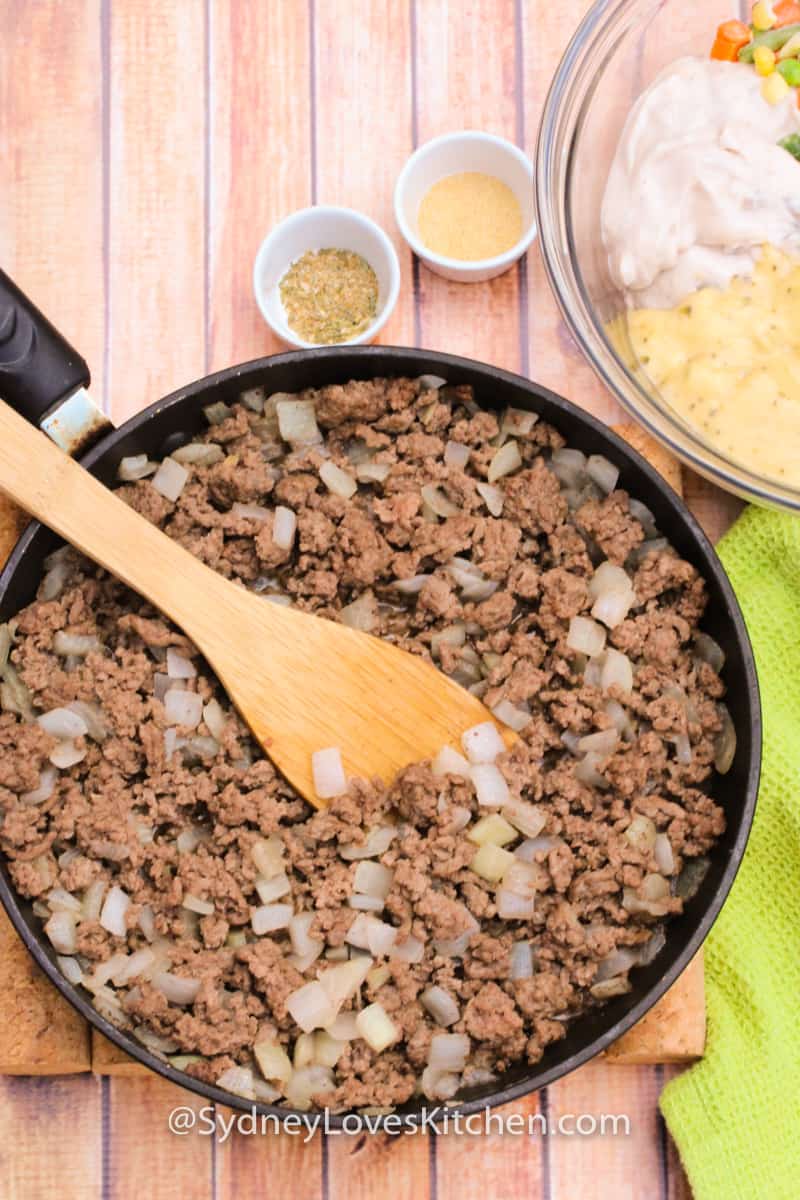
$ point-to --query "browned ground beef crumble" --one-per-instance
(116, 815)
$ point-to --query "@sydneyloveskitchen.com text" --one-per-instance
(209, 1121)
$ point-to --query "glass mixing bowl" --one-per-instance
(619, 48)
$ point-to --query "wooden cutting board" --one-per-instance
(41, 1034)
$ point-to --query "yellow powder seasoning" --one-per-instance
(470, 216)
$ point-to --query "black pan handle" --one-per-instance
(38, 367)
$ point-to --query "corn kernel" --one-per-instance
(763, 16)
(774, 89)
(764, 60)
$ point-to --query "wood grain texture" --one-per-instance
(604, 1165)
(259, 157)
(142, 1155)
(674, 1031)
(50, 1138)
(363, 122)
(504, 1166)
(108, 1059)
(156, 200)
(467, 79)
(51, 179)
(256, 1166)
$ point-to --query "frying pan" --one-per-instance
(45, 380)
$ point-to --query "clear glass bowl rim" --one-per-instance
(605, 24)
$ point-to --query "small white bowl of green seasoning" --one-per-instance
(326, 276)
(464, 204)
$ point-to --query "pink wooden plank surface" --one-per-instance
(144, 151)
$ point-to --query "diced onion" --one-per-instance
(683, 748)
(441, 1005)
(725, 748)
(45, 788)
(439, 1085)
(662, 852)
(361, 614)
(311, 1006)
(506, 460)
(272, 889)
(482, 743)
(490, 786)
(644, 516)
(297, 422)
(373, 472)
(568, 466)
(518, 421)
(479, 589)
(284, 527)
(76, 645)
(410, 587)
(431, 382)
(112, 914)
(449, 762)
(267, 855)
(616, 672)
(448, 1051)
(613, 607)
(366, 903)
(178, 666)
(63, 723)
(194, 904)
(273, 1061)
(66, 754)
(522, 878)
(531, 847)
(61, 898)
(136, 964)
(135, 466)
(377, 842)
(200, 454)
(376, 1027)
(641, 833)
(412, 950)
(183, 708)
(515, 718)
(512, 907)
(524, 816)
(70, 968)
(269, 917)
(215, 719)
(343, 980)
(602, 472)
(620, 717)
(492, 497)
(337, 481)
(373, 879)
(438, 501)
(328, 773)
(586, 636)
(456, 454)
(239, 1081)
(170, 479)
(709, 651)
(60, 929)
(587, 771)
(616, 963)
(92, 901)
(521, 961)
(94, 717)
(602, 742)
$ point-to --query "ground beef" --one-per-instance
(187, 822)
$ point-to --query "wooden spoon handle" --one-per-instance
(50, 485)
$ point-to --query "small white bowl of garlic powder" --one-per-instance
(464, 204)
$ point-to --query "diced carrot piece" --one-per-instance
(731, 37)
(787, 12)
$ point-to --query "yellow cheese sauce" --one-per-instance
(729, 362)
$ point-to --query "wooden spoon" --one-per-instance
(300, 682)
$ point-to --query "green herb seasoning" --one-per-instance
(329, 296)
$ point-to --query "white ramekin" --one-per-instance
(318, 228)
(451, 154)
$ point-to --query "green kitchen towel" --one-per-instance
(736, 1115)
